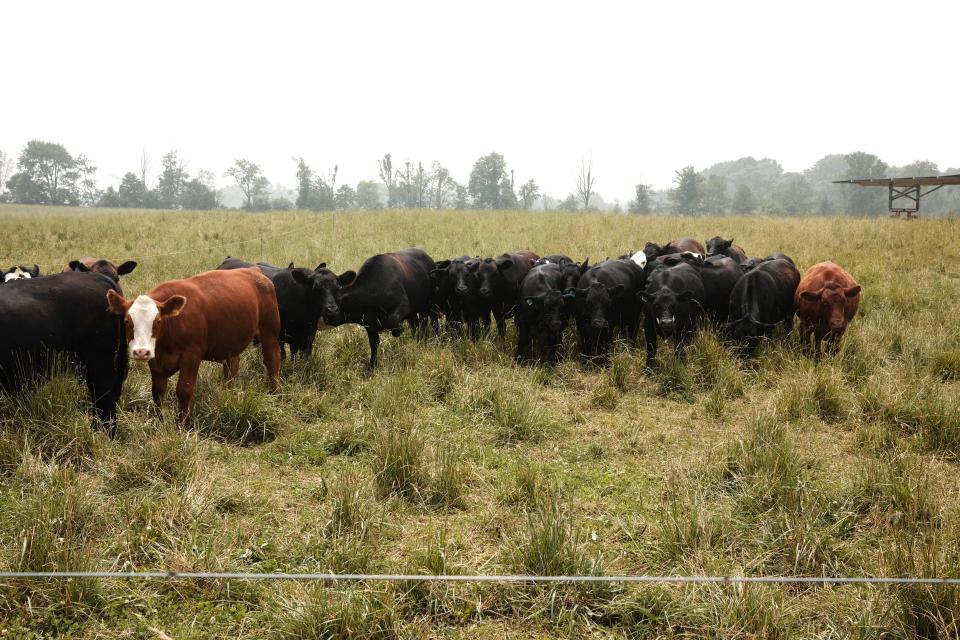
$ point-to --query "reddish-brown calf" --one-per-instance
(212, 316)
(827, 298)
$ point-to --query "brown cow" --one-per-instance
(826, 299)
(99, 265)
(212, 316)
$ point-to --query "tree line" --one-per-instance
(46, 173)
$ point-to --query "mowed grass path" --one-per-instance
(451, 459)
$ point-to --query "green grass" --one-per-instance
(451, 459)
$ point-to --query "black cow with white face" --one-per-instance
(543, 310)
(21, 272)
(606, 302)
(761, 299)
(304, 296)
(673, 305)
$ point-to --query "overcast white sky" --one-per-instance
(643, 88)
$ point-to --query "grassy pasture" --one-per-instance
(451, 459)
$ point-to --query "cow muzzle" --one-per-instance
(485, 292)
(600, 324)
(667, 324)
(141, 354)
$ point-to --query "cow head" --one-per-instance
(105, 267)
(595, 303)
(570, 274)
(548, 308)
(832, 303)
(463, 282)
(144, 318)
(717, 245)
(652, 250)
(668, 308)
(325, 289)
(21, 273)
(490, 280)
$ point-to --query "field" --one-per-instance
(451, 459)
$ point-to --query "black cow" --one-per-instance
(606, 301)
(20, 272)
(680, 245)
(673, 304)
(99, 265)
(304, 296)
(762, 298)
(543, 310)
(717, 246)
(499, 279)
(64, 314)
(456, 293)
(750, 263)
(572, 270)
(389, 289)
(719, 275)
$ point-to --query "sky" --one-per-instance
(641, 88)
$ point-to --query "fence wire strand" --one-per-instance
(380, 577)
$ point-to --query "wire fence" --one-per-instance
(475, 578)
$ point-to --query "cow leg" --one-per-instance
(523, 342)
(187, 387)
(650, 336)
(271, 360)
(158, 388)
(374, 337)
(103, 394)
(501, 323)
(231, 367)
(554, 340)
(485, 319)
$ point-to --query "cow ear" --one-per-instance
(530, 301)
(322, 265)
(290, 266)
(852, 292)
(126, 267)
(686, 295)
(570, 296)
(616, 290)
(585, 264)
(442, 265)
(346, 278)
(35, 272)
(76, 265)
(115, 303)
(506, 264)
(172, 306)
(300, 276)
(811, 296)
(643, 297)
(473, 266)
(581, 292)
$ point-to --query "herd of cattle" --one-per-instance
(82, 314)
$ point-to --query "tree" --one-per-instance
(643, 199)
(585, 181)
(714, 195)
(744, 201)
(198, 194)
(793, 195)
(570, 203)
(861, 200)
(686, 197)
(132, 193)
(462, 198)
(489, 186)
(304, 184)
(48, 174)
(109, 198)
(389, 179)
(171, 183)
(252, 182)
(442, 193)
(345, 198)
(6, 169)
(368, 195)
(529, 192)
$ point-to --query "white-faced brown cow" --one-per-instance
(212, 316)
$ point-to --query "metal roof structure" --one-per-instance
(906, 188)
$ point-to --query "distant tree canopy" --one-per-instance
(49, 174)
(490, 186)
(46, 173)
